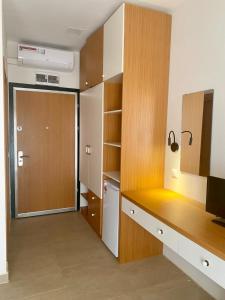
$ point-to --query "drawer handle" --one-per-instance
(93, 198)
(205, 263)
(132, 212)
(92, 215)
(160, 232)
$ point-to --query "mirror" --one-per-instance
(196, 133)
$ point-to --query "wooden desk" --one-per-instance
(186, 216)
(152, 218)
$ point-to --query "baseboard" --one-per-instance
(203, 281)
(4, 278)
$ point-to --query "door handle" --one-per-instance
(20, 157)
(88, 149)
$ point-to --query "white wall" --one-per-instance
(197, 63)
(3, 257)
(21, 74)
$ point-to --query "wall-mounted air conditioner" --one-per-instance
(46, 58)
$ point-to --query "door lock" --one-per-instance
(20, 157)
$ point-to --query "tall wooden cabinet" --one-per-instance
(136, 51)
(91, 61)
(143, 61)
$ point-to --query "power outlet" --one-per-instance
(175, 173)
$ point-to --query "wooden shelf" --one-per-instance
(85, 195)
(113, 144)
(115, 175)
(118, 111)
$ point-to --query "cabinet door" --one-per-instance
(114, 44)
(95, 58)
(95, 106)
(83, 68)
(84, 137)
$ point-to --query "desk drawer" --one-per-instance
(158, 229)
(209, 264)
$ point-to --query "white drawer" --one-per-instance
(161, 231)
(208, 263)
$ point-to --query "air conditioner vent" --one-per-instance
(53, 79)
(41, 78)
(47, 79)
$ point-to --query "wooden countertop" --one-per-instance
(186, 216)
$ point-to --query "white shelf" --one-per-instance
(115, 175)
(114, 144)
(113, 112)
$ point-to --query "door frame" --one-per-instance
(13, 87)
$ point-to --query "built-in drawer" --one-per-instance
(208, 263)
(94, 212)
(160, 230)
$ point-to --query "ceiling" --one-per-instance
(64, 23)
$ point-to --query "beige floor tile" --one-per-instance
(60, 257)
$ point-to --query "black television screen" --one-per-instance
(215, 197)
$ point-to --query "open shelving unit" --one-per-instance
(116, 111)
(115, 175)
(112, 128)
(113, 144)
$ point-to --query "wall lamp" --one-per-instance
(191, 138)
(173, 144)
(172, 140)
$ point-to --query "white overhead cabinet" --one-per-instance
(91, 137)
(113, 49)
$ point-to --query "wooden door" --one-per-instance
(46, 135)
(95, 58)
(91, 61)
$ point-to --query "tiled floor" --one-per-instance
(60, 257)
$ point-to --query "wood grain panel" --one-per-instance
(145, 91)
(46, 181)
(112, 128)
(184, 215)
(206, 135)
(94, 212)
(111, 158)
(192, 120)
(95, 58)
(83, 68)
(112, 96)
(135, 242)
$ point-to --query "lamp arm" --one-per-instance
(191, 137)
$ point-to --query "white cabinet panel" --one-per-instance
(91, 138)
(206, 262)
(113, 50)
(84, 137)
(95, 107)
